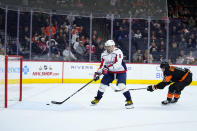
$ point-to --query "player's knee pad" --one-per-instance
(171, 89)
(122, 87)
(178, 92)
(102, 87)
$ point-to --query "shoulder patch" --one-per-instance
(116, 49)
(172, 68)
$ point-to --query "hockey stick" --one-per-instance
(60, 102)
(131, 89)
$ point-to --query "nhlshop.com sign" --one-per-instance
(45, 74)
(44, 70)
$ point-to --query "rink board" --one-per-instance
(82, 72)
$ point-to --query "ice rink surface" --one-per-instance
(76, 114)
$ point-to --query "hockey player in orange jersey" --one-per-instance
(178, 78)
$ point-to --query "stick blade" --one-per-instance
(117, 90)
(56, 102)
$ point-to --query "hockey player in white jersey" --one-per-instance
(112, 67)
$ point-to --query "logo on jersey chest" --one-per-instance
(109, 59)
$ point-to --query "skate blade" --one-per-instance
(93, 104)
(129, 107)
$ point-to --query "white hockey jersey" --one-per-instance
(114, 61)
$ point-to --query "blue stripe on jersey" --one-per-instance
(124, 65)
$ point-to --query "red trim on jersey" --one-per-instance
(117, 72)
(116, 59)
(102, 61)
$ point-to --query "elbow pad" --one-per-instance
(161, 85)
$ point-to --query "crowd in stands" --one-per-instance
(67, 38)
(182, 41)
(185, 10)
(55, 42)
(182, 36)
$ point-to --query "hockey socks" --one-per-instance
(127, 95)
(97, 98)
(129, 102)
(99, 95)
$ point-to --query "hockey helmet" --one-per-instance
(109, 43)
(164, 65)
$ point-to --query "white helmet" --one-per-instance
(109, 43)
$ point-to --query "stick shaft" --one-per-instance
(54, 102)
(131, 89)
(138, 88)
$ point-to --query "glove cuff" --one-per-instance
(99, 71)
(154, 87)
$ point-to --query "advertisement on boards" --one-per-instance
(40, 70)
(80, 70)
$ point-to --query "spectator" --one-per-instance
(68, 55)
(51, 43)
(145, 56)
(139, 59)
(136, 54)
(153, 36)
(81, 50)
(76, 43)
(182, 54)
(82, 31)
(195, 44)
(36, 38)
(182, 44)
(179, 60)
(25, 40)
(43, 47)
(93, 50)
(161, 46)
(190, 44)
(99, 50)
(190, 58)
(47, 31)
(2, 51)
(138, 34)
(155, 53)
(75, 29)
(55, 52)
(151, 58)
(75, 36)
(153, 47)
(121, 33)
(173, 52)
(169, 61)
(191, 21)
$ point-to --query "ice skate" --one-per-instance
(175, 100)
(95, 101)
(165, 102)
(129, 104)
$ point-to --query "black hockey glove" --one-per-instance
(151, 88)
(96, 76)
